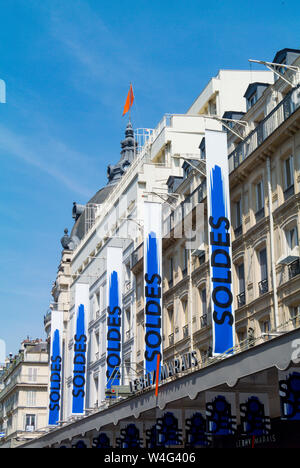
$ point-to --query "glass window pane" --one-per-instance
(203, 301)
(263, 264)
(289, 172)
(259, 196)
(241, 277)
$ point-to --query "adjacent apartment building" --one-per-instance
(214, 400)
(24, 394)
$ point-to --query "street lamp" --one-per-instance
(272, 66)
(188, 160)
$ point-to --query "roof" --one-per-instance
(280, 55)
(233, 114)
(78, 229)
(253, 87)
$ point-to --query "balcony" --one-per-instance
(241, 299)
(265, 128)
(185, 331)
(171, 339)
(294, 268)
(260, 214)
(289, 192)
(263, 287)
(238, 231)
(203, 321)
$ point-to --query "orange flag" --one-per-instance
(129, 100)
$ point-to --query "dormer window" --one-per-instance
(285, 57)
(254, 92)
(173, 182)
(202, 148)
(171, 188)
(187, 170)
(251, 101)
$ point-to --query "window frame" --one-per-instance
(289, 240)
(288, 162)
(262, 195)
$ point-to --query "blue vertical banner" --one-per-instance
(219, 238)
(56, 368)
(80, 348)
(153, 284)
(114, 315)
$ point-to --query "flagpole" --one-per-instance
(129, 100)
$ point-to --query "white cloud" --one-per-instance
(43, 157)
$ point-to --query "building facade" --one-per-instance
(24, 395)
(262, 118)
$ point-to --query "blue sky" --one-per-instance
(67, 66)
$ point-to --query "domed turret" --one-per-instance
(128, 151)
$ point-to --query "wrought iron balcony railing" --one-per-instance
(265, 128)
(203, 321)
(260, 214)
(241, 299)
(238, 231)
(185, 330)
(294, 269)
(289, 192)
(263, 286)
(171, 339)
